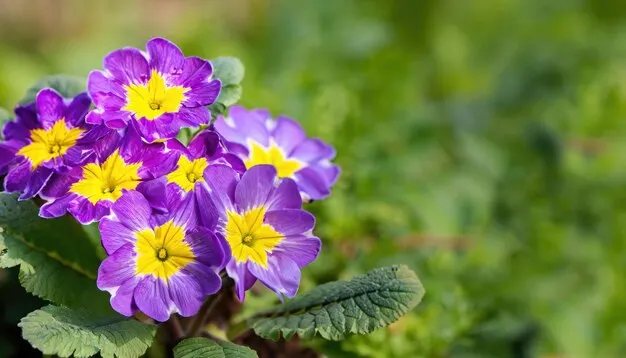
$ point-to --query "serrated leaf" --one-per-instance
(358, 306)
(66, 332)
(229, 70)
(204, 347)
(68, 86)
(57, 261)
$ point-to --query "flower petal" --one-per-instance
(165, 57)
(255, 187)
(282, 275)
(127, 65)
(152, 298)
(290, 221)
(50, 107)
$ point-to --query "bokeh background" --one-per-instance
(482, 143)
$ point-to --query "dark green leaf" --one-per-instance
(359, 306)
(68, 86)
(57, 261)
(203, 347)
(65, 332)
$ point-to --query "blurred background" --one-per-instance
(482, 142)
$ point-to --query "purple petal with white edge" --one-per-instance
(290, 221)
(105, 92)
(132, 209)
(77, 109)
(255, 187)
(203, 94)
(194, 117)
(86, 212)
(36, 182)
(301, 249)
(188, 287)
(221, 181)
(242, 277)
(165, 57)
(282, 274)
(115, 234)
(241, 125)
(206, 247)
(312, 183)
(58, 185)
(196, 71)
(118, 268)
(287, 133)
(56, 208)
(163, 127)
(312, 150)
(152, 298)
(286, 196)
(50, 107)
(122, 300)
(127, 65)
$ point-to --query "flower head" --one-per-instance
(47, 136)
(281, 142)
(157, 264)
(88, 191)
(159, 91)
(268, 234)
(185, 179)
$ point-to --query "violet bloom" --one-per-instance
(185, 179)
(269, 235)
(281, 142)
(88, 191)
(47, 136)
(158, 265)
(159, 91)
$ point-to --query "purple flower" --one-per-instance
(185, 179)
(47, 136)
(269, 235)
(259, 139)
(125, 163)
(159, 91)
(157, 264)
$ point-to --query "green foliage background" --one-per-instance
(482, 143)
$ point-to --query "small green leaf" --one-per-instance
(359, 306)
(229, 95)
(204, 347)
(64, 332)
(57, 261)
(229, 70)
(68, 86)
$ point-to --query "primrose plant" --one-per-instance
(195, 201)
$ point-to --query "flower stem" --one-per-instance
(200, 320)
(176, 328)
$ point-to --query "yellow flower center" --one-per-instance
(249, 238)
(107, 181)
(188, 172)
(154, 98)
(51, 143)
(273, 155)
(162, 252)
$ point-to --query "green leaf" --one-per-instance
(65, 332)
(229, 70)
(68, 86)
(359, 306)
(57, 261)
(229, 95)
(204, 347)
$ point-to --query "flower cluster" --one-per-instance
(171, 215)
